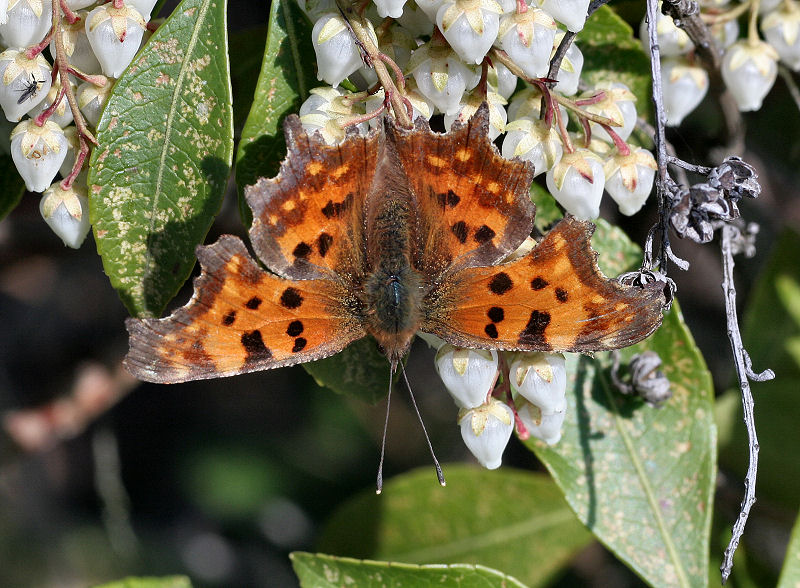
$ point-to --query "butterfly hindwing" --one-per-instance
(241, 319)
(553, 299)
(308, 218)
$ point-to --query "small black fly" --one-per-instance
(30, 89)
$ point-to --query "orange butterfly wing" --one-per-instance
(242, 319)
(553, 299)
(309, 217)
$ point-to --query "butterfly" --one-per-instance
(387, 234)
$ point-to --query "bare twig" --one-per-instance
(744, 371)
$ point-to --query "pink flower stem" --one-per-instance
(71, 17)
(599, 97)
(522, 7)
(97, 80)
(48, 112)
(32, 52)
(622, 146)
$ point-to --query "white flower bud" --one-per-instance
(497, 114)
(749, 70)
(441, 76)
(569, 74)
(337, 54)
(115, 35)
(415, 21)
(66, 212)
(546, 427)
(325, 109)
(76, 45)
(470, 26)
(535, 141)
(527, 37)
(38, 152)
(73, 145)
(390, 8)
(684, 87)
(486, 430)
(28, 21)
(92, 99)
(3, 12)
(629, 179)
(541, 378)
(782, 30)
(570, 13)
(468, 374)
(726, 33)
(501, 80)
(23, 82)
(577, 183)
(421, 105)
(618, 105)
(527, 103)
(672, 40)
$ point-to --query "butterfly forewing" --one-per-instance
(553, 299)
(474, 205)
(308, 218)
(241, 319)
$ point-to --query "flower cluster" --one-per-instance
(749, 65)
(91, 45)
(531, 397)
(449, 56)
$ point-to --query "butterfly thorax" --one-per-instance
(393, 288)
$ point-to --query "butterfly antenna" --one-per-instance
(379, 486)
(439, 473)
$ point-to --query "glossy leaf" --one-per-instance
(287, 75)
(11, 186)
(323, 571)
(165, 582)
(771, 335)
(790, 576)
(612, 53)
(509, 520)
(359, 371)
(166, 141)
(641, 478)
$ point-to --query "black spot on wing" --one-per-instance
(561, 295)
(302, 250)
(253, 344)
(229, 317)
(291, 298)
(491, 330)
(253, 303)
(500, 284)
(459, 229)
(539, 283)
(496, 314)
(484, 234)
(299, 344)
(294, 328)
(324, 242)
(448, 200)
(533, 333)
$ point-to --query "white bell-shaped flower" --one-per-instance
(62, 114)
(672, 40)
(683, 86)
(441, 76)
(415, 21)
(115, 35)
(726, 33)
(469, 106)
(66, 212)
(577, 183)
(421, 106)
(569, 74)
(546, 427)
(430, 8)
(618, 105)
(27, 23)
(73, 145)
(527, 103)
(470, 26)
(3, 12)
(749, 70)
(782, 30)
(398, 44)
(38, 152)
(501, 80)
(486, 430)
(629, 179)
(76, 45)
(541, 378)
(143, 7)
(535, 141)
(528, 37)
(390, 8)
(337, 54)
(468, 374)
(92, 99)
(23, 82)
(570, 13)
(324, 111)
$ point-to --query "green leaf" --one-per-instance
(166, 141)
(360, 371)
(510, 520)
(612, 53)
(287, 75)
(246, 54)
(790, 575)
(771, 335)
(165, 582)
(321, 571)
(642, 478)
(11, 186)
